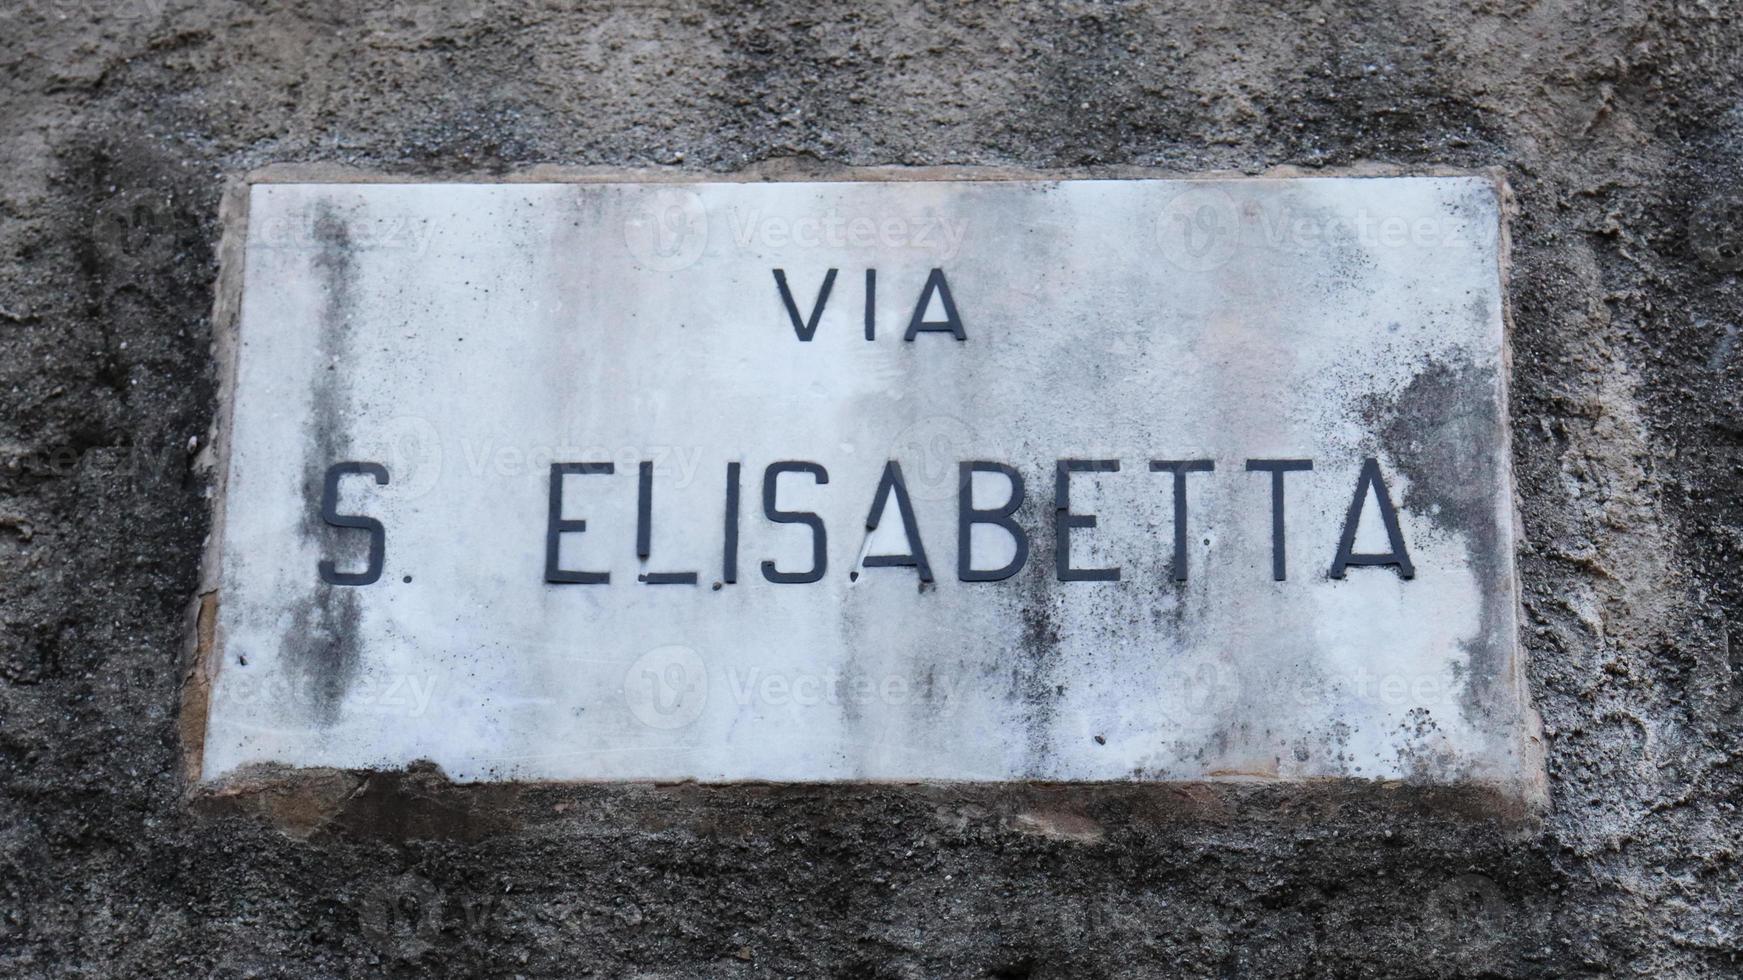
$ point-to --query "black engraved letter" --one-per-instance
(951, 323)
(644, 529)
(968, 516)
(871, 304)
(1397, 555)
(1180, 467)
(819, 538)
(729, 555)
(1064, 520)
(556, 527)
(1278, 467)
(804, 328)
(916, 556)
(330, 514)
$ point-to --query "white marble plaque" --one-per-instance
(1170, 480)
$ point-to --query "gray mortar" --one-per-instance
(1618, 127)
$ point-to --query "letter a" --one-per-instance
(951, 324)
(1397, 556)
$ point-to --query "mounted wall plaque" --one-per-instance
(954, 479)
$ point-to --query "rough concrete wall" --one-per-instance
(1618, 129)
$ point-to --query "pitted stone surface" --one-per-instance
(1616, 128)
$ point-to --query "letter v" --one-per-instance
(806, 328)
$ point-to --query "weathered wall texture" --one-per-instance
(1619, 130)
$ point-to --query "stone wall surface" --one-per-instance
(1617, 127)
